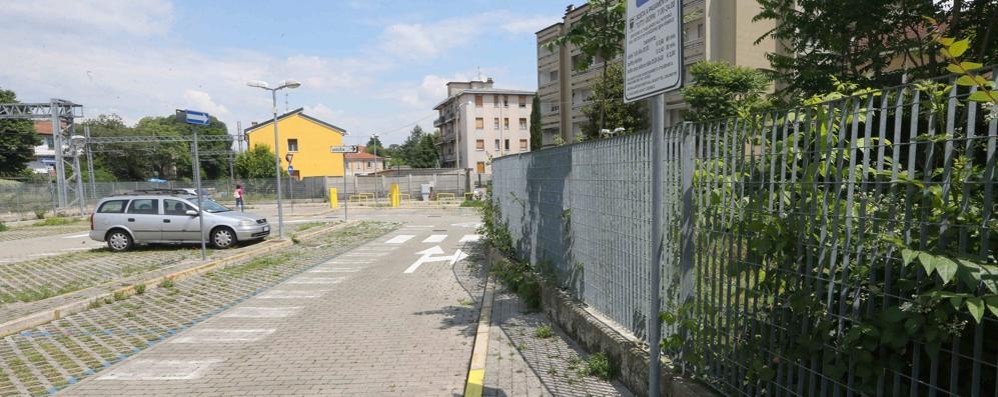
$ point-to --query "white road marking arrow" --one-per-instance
(427, 256)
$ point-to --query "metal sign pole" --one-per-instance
(197, 184)
(654, 290)
(346, 203)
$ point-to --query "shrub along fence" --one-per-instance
(839, 248)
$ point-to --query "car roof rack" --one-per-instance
(158, 191)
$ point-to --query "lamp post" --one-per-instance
(291, 84)
(376, 143)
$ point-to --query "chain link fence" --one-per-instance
(842, 248)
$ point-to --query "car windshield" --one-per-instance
(212, 206)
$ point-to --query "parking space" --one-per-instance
(59, 354)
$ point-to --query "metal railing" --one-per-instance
(843, 248)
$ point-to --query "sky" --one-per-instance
(368, 66)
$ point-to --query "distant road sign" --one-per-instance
(343, 149)
(653, 57)
(196, 118)
(291, 169)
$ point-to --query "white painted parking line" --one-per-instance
(470, 238)
(160, 370)
(45, 254)
(402, 238)
(335, 270)
(281, 294)
(435, 238)
(223, 335)
(77, 236)
(347, 262)
(77, 249)
(418, 226)
(317, 280)
(262, 312)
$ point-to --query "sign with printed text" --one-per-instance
(343, 149)
(653, 56)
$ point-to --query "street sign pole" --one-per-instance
(197, 185)
(195, 118)
(344, 150)
(653, 66)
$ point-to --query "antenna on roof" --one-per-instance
(480, 74)
(286, 102)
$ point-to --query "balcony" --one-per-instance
(693, 51)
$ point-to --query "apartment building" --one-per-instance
(479, 122)
(714, 30)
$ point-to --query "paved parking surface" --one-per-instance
(356, 324)
(51, 357)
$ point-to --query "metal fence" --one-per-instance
(20, 200)
(846, 247)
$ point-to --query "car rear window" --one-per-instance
(112, 207)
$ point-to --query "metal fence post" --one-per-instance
(686, 238)
(655, 287)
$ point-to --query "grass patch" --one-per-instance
(3, 227)
(166, 283)
(140, 289)
(473, 203)
(255, 264)
(466, 302)
(543, 332)
(309, 225)
(120, 295)
(600, 366)
(57, 221)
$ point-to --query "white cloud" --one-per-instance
(529, 24)
(134, 17)
(202, 101)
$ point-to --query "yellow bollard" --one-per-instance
(395, 195)
(334, 201)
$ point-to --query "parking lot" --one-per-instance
(47, 358)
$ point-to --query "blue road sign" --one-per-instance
(197, 118)
(291, 170)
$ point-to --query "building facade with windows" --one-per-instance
(306, 138)
(363, 163)
(713, 30)
(478, 123)
(44, 161)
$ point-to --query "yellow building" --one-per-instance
(305, 137)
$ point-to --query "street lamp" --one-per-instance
(291, 84)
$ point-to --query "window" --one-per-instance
(553, 76)
(555, 108)
(505, 123)
(144, 206)
(480, 144)
(507, 144)
(292, 145)
(700, 30)
(112, 207)
(523, 101)
(523, 145)
(480, 167)
(49, 142)
(497, 144)
(505, 101)
(495, 101)
(479, 123)
(370, 164)
(478, 101)
(523, 123)
(175, 207)
(495, 123)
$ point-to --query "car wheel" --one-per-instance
(119, 240)
(223, 238)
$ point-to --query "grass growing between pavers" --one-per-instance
(50, 357)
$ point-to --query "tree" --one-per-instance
(599, 35)
(536, 133)
(874, 43)
(257, 162)
(610, 107)
(721, 90)
(17, 140)
(374, 144)
(425, 154)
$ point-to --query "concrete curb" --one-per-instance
(49, 315)
(475, 384)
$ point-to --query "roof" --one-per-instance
(483, 91)
(300, 112)
(43, 127)
(362, 156)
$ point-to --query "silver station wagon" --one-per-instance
(170, 216)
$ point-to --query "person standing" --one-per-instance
(238, 194)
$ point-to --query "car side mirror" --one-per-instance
(191, 213)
